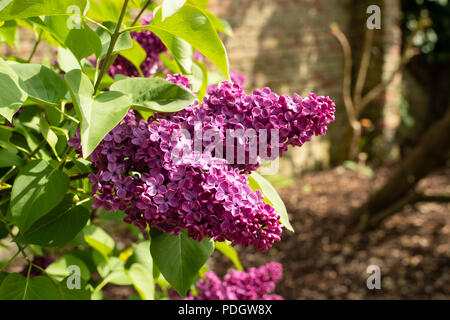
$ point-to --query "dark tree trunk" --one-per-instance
(430, 154)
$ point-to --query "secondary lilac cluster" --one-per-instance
(144, 169)
(43, 262)
(151, 44)
(295, 120)
(255, 284)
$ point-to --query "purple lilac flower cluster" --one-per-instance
(255, 284)
(151, 44)
(228, 107)
(43, 262)
(138, 173)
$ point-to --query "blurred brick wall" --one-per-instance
(287, 45)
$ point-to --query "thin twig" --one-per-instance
(141, 12)
(112, 44)
(33, 51)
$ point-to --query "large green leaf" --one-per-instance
(136, 55)
(41, 83)
(37, 189)
(170, 7)
(8, 32)
(256, 181)
(17, 287)
(19, 9)
(141, 255)
(155, 94)
(82, 41)
(112, 270)
(105, 10)
(59, 226)
(193, 26)
(142, 281)
(12, 95)
(199, 79)
(9, 158)
(67, 60)
(49, 135)
(59, 269)
(179, 258)
(98, 239)
(181, 50)
(98, 115)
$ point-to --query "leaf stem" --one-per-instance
(79, 176)
(96, 23)
(112, 44)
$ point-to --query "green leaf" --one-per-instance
(3, 275)
(83, 42)
(136, 55)
(20, 9)
(74, 294)
(193, 26)
(181, 50)
(17, 287)
(123, 42)
(12, 96)
(3, 234)
(41, 83)
(59, 226)
(105, 10)
(199, 79)
(59, 271)
(49, 135)
(8, 32)
(106, 82)
(98, 115)
(170, 7)
(9, 158)
(229, 252)
(66, 60)
(142, 281)
(199, 3)
(179, 258)
(37, 189)
(98, 239)
(141, 255)
(154, 94)
(256, 181)
(112, 270)
(111, 215)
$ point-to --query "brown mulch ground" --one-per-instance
(322, 260)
